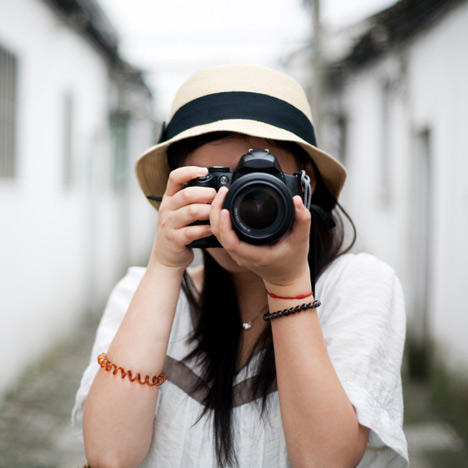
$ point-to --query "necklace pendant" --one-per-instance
(247, 325)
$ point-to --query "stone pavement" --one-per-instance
(432, 441)
(35, 429)
(35, 420)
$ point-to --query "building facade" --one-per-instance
(396, 114)
(73, 118)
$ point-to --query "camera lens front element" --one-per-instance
(258, 207)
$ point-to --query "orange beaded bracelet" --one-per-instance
(109, 366)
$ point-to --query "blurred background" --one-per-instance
(84, 88)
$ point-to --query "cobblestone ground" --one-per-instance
(432, 441)
(35, 430)
(35, 420)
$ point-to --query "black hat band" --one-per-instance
(240, 105)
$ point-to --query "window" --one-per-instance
(8, 90)
(121, 162)
(385, 135)
(67, 139)
(335, 136)
(421, 251)
(342, 138)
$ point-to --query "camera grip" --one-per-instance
(204, 243)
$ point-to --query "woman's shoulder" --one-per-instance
(126, 286)
(134, 274)
(353, 270)
(132, 277)
(356, 263)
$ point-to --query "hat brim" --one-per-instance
(152, 169)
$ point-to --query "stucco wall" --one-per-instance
(417, 90)
(62, 247)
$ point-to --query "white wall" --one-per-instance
(427, 90)
(60, 246)
(440, 61)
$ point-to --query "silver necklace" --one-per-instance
(248, 325)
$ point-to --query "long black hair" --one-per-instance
(217, 336)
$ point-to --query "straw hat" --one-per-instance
(251, 100)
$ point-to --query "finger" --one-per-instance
(216, 207)
(227, 235)
(191, 195)
(302, 218)
(192, 233)
(239, 250)
(190, 213)
(180, 176)
(301, 212)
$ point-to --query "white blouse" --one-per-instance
(363, 323)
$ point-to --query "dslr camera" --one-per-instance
(259, 197)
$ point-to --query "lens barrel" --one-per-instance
(261, 208)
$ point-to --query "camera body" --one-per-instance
(259, 198)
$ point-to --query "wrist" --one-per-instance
(159, 270)
(298, 286)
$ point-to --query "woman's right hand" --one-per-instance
(141, 341)
(180, 207)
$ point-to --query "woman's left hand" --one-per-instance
(278, 264)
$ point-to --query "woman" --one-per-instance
(307, 386)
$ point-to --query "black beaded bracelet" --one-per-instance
(284, 313)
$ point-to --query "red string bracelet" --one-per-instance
(108, 366)
(301, 296)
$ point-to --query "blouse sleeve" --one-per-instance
(364, 324)
(115, 310)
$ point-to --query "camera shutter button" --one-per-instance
(222, 179)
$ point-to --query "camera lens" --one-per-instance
(258, 208)
(261, 208)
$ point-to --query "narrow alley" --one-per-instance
(35, 420)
